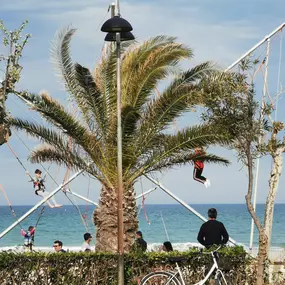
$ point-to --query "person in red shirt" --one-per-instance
(198, 169)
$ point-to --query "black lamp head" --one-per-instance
(116, 24)
(111, 37)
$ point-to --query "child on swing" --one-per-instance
(198, 169)
(40, 189)
(29, 237)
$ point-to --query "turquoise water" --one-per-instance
(182, 226)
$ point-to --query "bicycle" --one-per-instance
(176, 277)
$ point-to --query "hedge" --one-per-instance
(101, 268)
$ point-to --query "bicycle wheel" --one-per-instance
(220, 280)
(160, 278)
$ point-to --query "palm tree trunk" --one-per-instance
(106, 222)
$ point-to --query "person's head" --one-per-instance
(38, 173)
(57, 245)
(87, 237)
(212, 213)
(30, 228)
(139, 234)
(167, 246)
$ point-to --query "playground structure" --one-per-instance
(261, 51)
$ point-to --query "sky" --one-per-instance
(220, 31)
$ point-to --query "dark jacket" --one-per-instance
(212, 232)
(141, 244)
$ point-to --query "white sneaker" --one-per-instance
(208, 183)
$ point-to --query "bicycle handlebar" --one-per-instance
(213, 251)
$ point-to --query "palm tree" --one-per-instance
(148, 144)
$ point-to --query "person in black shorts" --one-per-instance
(212, 232)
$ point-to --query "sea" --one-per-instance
(158, 223)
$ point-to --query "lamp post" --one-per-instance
(118, 30)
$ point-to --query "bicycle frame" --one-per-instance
(214, 267)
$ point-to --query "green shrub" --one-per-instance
(101, 268)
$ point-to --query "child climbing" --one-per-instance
(198, 169)
(29, 237)
(40, 189)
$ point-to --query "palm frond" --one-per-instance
(148, 63)
(105, 78)
(171, 162)
(38, 131)
(91, 98)
(72, 160)
(60, 56)
(180, 145)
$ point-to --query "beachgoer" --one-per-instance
(212, 232)
(140, 244)
(29, 236)
(57, 245)
(198, 169)
(86, 245)
(167, 246)
(40, 189)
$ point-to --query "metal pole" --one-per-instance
(81, 197)
(145, 193)
(256, 46)
(39, 204)
(259, 142)
(182, 203)
(113, 7)
(96, 204)
(118, 8)
(120, 168)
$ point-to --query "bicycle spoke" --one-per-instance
(160, 278)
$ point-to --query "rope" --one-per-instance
(86, 206)
(279, 74)
(166, 233)
(257, 71)
(16, 156)
(143, 205)
(267, 91)
(46, 170)
(41, 213)
(73, 202)
(10, 205)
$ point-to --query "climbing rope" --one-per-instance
(16, 156)
(10, 205)
(143, 204)
(165, 229)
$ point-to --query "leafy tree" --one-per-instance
(148, 145)
(238, 115)
(11, 40)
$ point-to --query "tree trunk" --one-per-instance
(262, 252)
(2, 105)
(106, 222)
(273, 187)
(261, 257)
